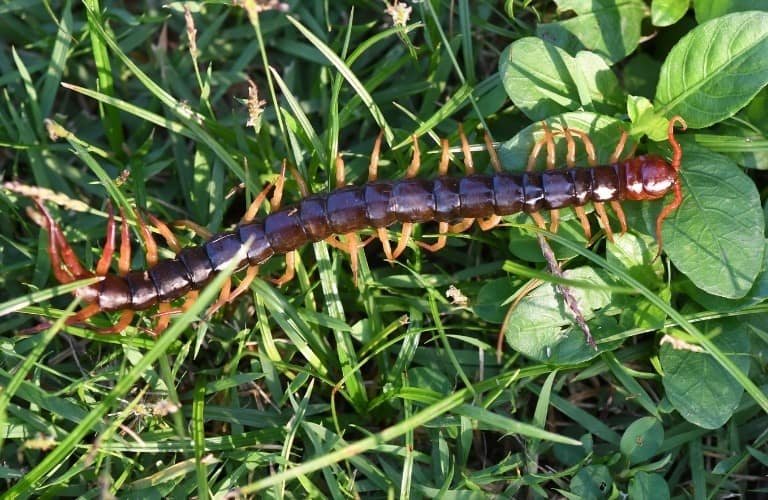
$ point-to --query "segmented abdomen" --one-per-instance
(350, 209)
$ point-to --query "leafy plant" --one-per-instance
(389, 381)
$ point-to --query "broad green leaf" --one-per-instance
(524, 245)
(603, 131)
(757, 294)
(542, 327)
(648, 486)
(608, 27)
(640, 75)
(642, 439)
(710, 9)
(646, 120)
(668, 12)
(716, 236)
(696, 385)
(715, 70)
(592, 482)
(543, 80)
(492, 294)
(604, 89)
(537, 77)
(635, 255)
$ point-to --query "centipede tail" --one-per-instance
(452, 202)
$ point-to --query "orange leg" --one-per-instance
(469, 163)
(588, 146)
(443, 227)
(65, 264)
(538, 219)
(373, 166)
(124, 262)
(615, 156)
(290, 257)
(549, 141)
(600, 206)
(442, 239)
(125, 319)
(194, 227)
(489, 223)
(462, 226)
(402, 243)
(469, 167)
(582, 215)
(373, 174)
(350, 242)
(492, 152)
(407, 227)
(603, 216)
(619, 147)
(67, 267)
(290, 272)
(149, 241)
(620, 215)
(102, 266)
(570, 160)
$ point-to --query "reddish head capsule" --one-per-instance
(648, 178)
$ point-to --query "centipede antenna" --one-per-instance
(677, 151)
(677, 157)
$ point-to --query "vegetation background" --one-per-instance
(458, 374)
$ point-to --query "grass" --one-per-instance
(453, 374)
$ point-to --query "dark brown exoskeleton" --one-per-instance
(377, 204)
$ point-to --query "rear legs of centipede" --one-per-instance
(67, 267)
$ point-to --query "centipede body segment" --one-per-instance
(452, 202)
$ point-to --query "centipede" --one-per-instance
(453, 202)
